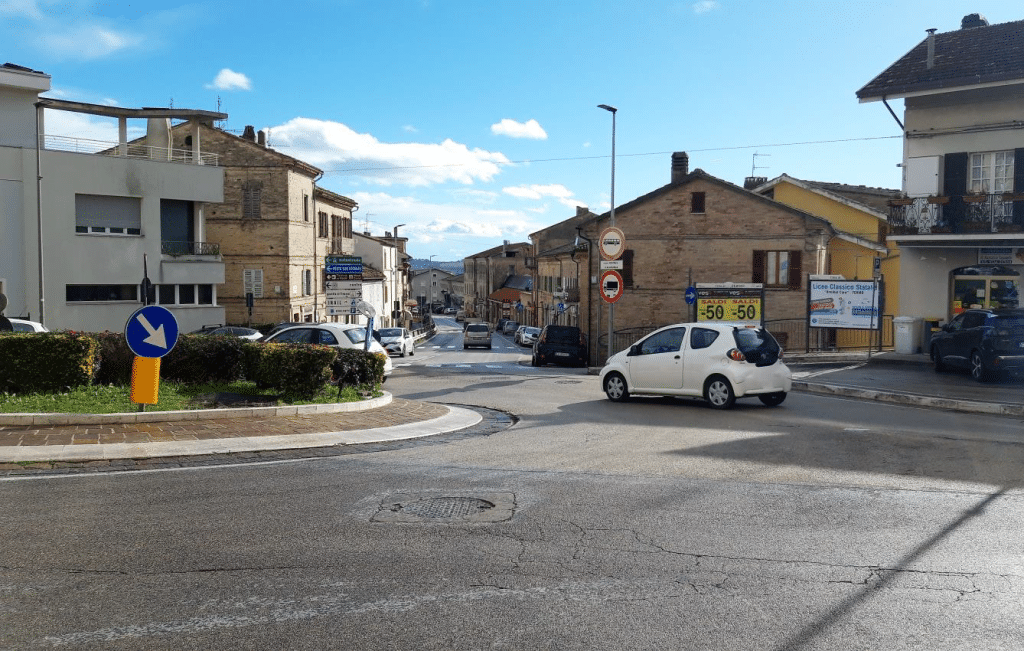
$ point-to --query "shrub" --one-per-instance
(357, 368)
(46, 362)
(114, 359)
(296, 370)
(204, 359)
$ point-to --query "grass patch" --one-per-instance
(172, 397)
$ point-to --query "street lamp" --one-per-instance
(611, 306)
(396, 311)
(430, 279)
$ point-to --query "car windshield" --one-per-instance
(532, 331)
(391, 332)
(356, 335)
(757, 345)
(562, 336)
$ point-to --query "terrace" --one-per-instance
(966, 214)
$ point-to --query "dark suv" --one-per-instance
(986, 342)
(565, 345)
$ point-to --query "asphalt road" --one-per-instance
(822, 524)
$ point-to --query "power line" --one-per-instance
(578, 158)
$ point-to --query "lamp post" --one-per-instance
(396, 299)
(611, 306)
(430, 279)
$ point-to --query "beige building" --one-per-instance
(275, 228)
(559, 257)
(489, 271)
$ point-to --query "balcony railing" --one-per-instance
(189, 248)
(978, 213)
(131, 150)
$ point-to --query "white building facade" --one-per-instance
(75, 245)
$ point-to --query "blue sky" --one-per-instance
(476, 121)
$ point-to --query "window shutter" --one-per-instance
(1018, 186)
(757, 274)
(954, 185)
(795, 269)
(627, 268)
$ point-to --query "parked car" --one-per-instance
(476, 334)
(509, 327)
(987, 342)
(460, 316)
(450, 310)
(528, 335)
(341, 335)
(564, 345)
(231, 331)
(717, 361)
(501, 325)
(22, 325)
(285, 324)
(516, 338)
(398, 341)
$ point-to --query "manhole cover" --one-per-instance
(446, 507)
(492, 507)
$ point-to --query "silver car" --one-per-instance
(477, 334)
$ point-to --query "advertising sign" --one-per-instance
(844, 304)
(729, 302)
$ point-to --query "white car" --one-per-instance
(717, 361)
(397, 341)
(21, 325)
(341, 335)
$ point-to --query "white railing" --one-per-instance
(131, 150)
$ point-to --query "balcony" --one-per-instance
(128, 150)
(178, 249)
(961, 214)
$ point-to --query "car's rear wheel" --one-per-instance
(940, 365)
(615, 388)
(533, 361)
(718, 392)
(773, 399)
(978, 370)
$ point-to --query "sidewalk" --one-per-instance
(25, 438)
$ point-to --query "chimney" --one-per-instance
(752, 182)
(930, 61)
(249, 133)
(261, 138)
(680, 165)
(582, 210)
(973, 20)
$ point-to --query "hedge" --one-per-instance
(46, 362)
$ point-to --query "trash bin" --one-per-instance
(930, 327)
(907, 334)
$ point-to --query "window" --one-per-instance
(252, 196)
(101, 293)
(991, 172)
(666, 341)
(697, 202)
(166, 294)
(109, 215)
(307, 282)
(186, 294)
(777, 268)
(305, 207)
(702, 338)
(324, 231)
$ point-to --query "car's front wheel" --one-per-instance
(978, 370)
(718, 392)
(773, 399)
(615, 388)
(940, 365)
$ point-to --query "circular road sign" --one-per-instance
(611, 286)
(691, 295)
(151, 331)
(612, 243)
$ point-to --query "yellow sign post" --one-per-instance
(145, 380)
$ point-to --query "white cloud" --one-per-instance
(27, 8)
(339, 150)
(410, 129)
(228, 79)
(561, 193)
(89, 41)
(705, 6)
(513, 129)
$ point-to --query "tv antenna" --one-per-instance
(366, 222)
(754, 166)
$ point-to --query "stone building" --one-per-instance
(275, 227)
(488, 271)
(558, 253)
(699, 229)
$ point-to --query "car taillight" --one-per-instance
(736, 355)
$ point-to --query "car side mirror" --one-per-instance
(634, 350)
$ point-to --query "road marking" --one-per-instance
(807, 374)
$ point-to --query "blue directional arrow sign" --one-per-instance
(691, 295)
(151, 331)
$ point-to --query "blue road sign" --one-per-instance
(351, 269)
(561, 307)
(691, 295)
(151, 331)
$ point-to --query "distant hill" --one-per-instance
(451, 267)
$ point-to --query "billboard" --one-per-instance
(850, 304)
